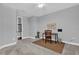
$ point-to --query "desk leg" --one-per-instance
(56, 38)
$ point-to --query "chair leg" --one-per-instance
(55, 39)
(44, 41)
(50, 41)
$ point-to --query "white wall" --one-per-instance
(7, 25)
(33, 26)
(67, 19)
(25, 27)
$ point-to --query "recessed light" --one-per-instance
(41, 5)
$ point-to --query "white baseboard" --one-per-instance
(77, 44)
(13, 43)
(7, 45)
(28, 37)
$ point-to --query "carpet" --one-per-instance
(57, 47)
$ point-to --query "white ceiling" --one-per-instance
(31, 9)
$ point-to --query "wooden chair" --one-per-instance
(48, 35)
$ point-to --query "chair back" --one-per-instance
(48, 32)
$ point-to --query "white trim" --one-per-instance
(7, 45)
(28, 37)
(71, 43)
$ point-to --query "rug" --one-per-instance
(57, 47)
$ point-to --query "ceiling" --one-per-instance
(31, 9)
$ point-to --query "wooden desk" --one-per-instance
(48, 36)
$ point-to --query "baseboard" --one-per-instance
(71, 43)
(77, 44)
(28, 37)
(7, 45)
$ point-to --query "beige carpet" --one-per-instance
(57, 47)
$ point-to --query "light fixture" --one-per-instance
(40, 5)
